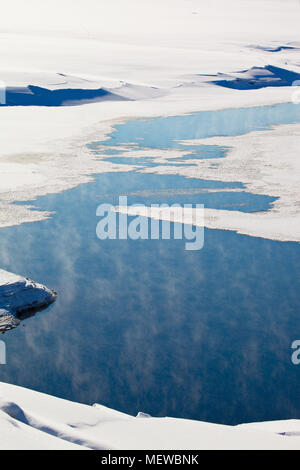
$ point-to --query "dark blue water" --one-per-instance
(146, 325)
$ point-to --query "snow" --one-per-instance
(158, 59)
(20, 296)
(258, 77)
(33, 420)
(19, 436)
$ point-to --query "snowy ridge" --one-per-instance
(20, 297)
(258, 77)
(59, 89)
(33, 420)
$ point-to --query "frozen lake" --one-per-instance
(145, 325)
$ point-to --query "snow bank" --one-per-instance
(20, 297)
(32, 420)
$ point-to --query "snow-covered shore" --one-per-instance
(32, 420)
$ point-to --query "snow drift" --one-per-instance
(258, 77)
(33, 420)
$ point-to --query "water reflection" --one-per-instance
(146, 325)
(168, 132)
